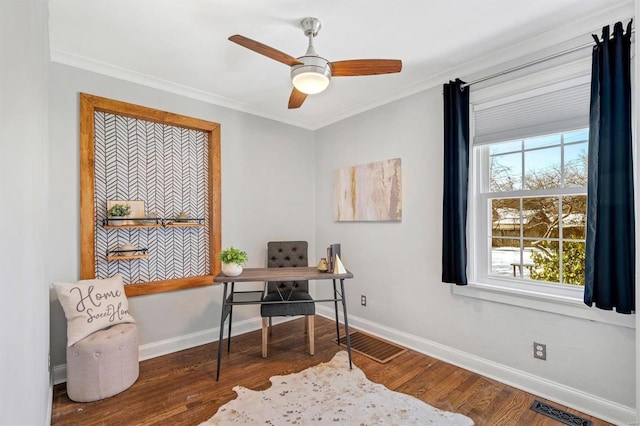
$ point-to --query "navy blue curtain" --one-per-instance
(610, 252)
(456, 182)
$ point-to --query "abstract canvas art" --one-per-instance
(368, 192)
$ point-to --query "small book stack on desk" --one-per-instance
(333, 259)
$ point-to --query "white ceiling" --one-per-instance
(182, 46)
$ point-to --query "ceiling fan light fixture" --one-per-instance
(310, 82)
(313, 76)
(310, 73)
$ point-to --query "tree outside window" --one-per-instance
(538, 204)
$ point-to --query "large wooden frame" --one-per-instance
(88, 105)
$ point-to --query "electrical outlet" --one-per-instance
(363, 300)
(540, 351)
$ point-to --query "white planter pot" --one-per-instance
(117, 222)
(231, 269)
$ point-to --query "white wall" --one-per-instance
(398, 267)
(24, 308)
(267, 194)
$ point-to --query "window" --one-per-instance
(528, 200)
(533, 193)
(528, 192)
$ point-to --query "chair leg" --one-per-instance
(270, 327)
(310, 325)
(264, 336)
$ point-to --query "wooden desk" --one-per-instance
(232, 297)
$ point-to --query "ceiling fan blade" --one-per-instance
(296, 99)
(357, 67)
(265, 50)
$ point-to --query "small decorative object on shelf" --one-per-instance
(182, 217)
(323, 266)
(151, 219)
(126, 249)
(117, 214)
(232, 260)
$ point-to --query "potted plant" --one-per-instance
(118, 211)
(232, 260)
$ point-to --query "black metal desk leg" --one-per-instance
(346, 322)
(335, 306)
(233, 284)
(223, 310)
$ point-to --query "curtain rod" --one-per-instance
(534, 62)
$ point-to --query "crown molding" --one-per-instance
(103, 68)
(574, 33)
(556, 40)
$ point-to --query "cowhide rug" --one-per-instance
(329, 394)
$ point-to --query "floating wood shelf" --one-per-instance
(178, 222)
(128, 257)
(160, 223)
(136, 253)
(182, 224)
(157, 225)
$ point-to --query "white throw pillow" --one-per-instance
(92, 305)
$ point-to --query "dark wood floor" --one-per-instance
(180, 388)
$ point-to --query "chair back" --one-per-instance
(285, 254)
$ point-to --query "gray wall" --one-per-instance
(409, 303)
(398, 267)
(24, 308)
(267, 194)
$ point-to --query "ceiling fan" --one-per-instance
(311, 73)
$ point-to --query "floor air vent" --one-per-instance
(559, 415)
(373, 347)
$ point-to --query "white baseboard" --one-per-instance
(50, 400)
(179, 343)
(59, 374)
(589, 404)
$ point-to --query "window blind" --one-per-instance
(549, 109)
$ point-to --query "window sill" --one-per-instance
(529, 298)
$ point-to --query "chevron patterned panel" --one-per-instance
(166, 167)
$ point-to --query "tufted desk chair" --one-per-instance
(287, 254)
